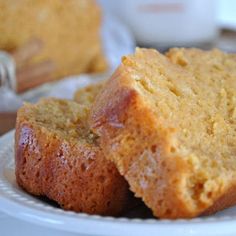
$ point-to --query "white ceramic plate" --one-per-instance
(19, 204)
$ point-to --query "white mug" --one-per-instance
(164, 23)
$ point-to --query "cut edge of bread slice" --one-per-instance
(150, 119)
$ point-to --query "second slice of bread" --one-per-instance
(57, 156)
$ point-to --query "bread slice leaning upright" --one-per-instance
(169, 125)
(57, 156)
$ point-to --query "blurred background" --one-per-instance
(54, 48)
(169, 23)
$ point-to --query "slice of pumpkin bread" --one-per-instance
(57, 156)
(169, 125)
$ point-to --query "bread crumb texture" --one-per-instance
(168, 122)
(87, 95)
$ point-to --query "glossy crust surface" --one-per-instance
(71, 171)
(135, 139)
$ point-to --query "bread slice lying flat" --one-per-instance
(169, 125)
(57, 156)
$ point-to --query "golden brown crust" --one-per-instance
(228, 199)
(132, 136)
(74, 174)
(72, 42)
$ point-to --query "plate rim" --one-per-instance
(66, 220)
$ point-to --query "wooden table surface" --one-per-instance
(7, 121)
